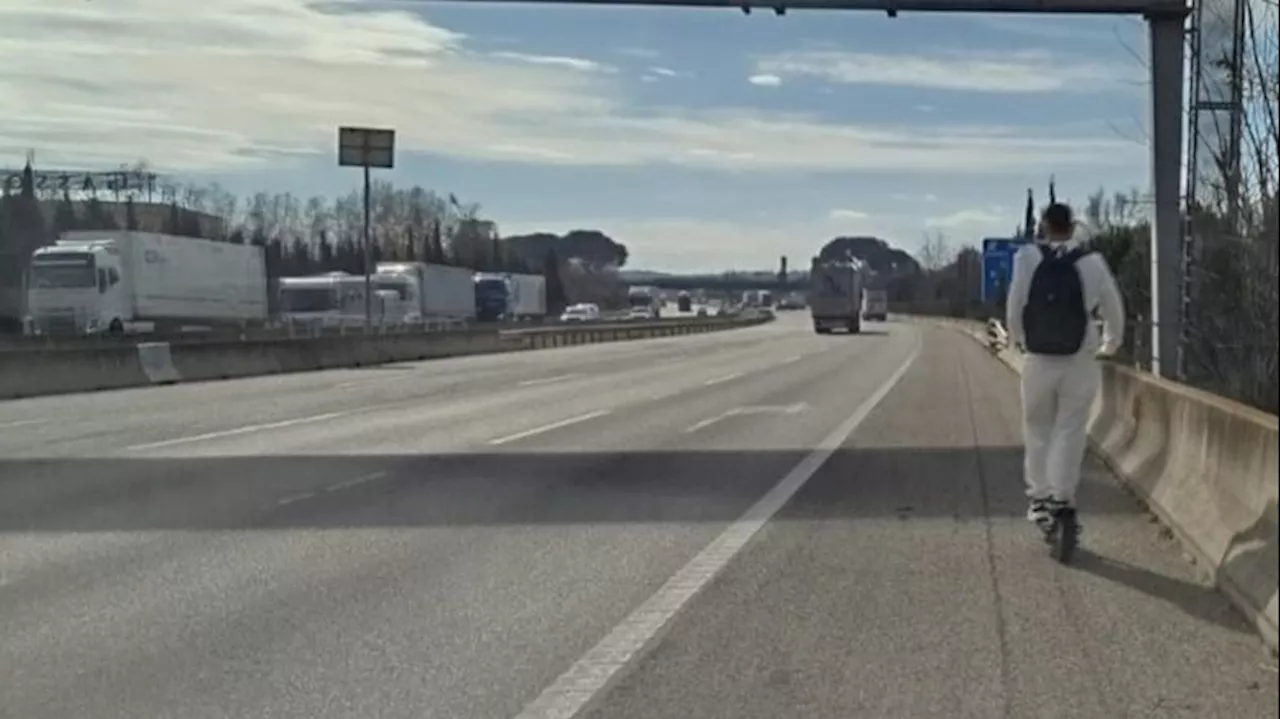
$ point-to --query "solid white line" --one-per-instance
(789, 360)
(347, 484)
(22, 423)
(294, 498)
(549, 427)
(707, 422)
(237, 430)
(724, 378)
(589, 677)
(546, 380)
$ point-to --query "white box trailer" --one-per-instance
(120, 281)
(438, 291)
(528, 296)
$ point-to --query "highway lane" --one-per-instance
(448, 546)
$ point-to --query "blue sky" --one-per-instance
(703, 139)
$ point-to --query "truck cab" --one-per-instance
(77, 287)
(645, 303)
(493, 297)
(324, 301)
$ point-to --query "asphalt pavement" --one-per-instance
(752, 524)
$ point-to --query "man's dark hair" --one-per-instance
(1058, 218)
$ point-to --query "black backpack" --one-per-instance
(1055, 319)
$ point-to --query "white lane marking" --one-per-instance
(237, 430)
(723, 378)
(706, 422)
(547, 380)
(549, 427)
(588, 678)
(294, 498)
(793, 358)
(22, 423)
(796, 408)
(349, 483)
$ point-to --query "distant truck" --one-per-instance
(835, 297)
(117, 282)
(684, 302)
(331, 300)
(509, 297)
(875, 305)
(645, 303)
(429, 292)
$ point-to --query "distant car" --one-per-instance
(586, 312)
(702, 311)
(640, 313)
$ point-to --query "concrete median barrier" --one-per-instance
(36, 372)
(1205, 466)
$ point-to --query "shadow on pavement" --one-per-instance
(510, 488)
(1196, 600)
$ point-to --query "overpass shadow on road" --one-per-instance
(506, 488)
(884, 487)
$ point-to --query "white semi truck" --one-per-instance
(430, 292)
(645, 303)
(509, 297)
(117, 282)
(328, 301)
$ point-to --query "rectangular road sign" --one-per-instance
(366, 147)
(997, 265)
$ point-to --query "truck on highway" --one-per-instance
(684, 302)
(835, 296)
(328, 301)
(509, 297)
(429, 292)
(117, 282)
(645, 303)
(875, 305)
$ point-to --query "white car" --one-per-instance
(586, 312)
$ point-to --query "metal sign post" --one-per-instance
(366, 147)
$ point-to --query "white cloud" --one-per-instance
(239, 84)
(972, 218)
(664, 71)
(840, 214)
(1013, 71)
(571, 63)
(765, 80)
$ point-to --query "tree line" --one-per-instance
(318, 234)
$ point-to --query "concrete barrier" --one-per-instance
(1206, 466)
(31, 373)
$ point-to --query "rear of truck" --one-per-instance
(835, 297)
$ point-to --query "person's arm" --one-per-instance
(1019, 286)
(1110, 306)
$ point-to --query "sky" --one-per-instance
(702, 139)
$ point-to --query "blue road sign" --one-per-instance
(997, 265)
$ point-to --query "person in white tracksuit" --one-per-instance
(1058, 391)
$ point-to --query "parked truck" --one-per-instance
(429, 292)
(115, 282)
(875, 305)
(509, 297)
(835, 296)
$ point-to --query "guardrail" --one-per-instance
(60, 370)
(20, 343)
(1205, 466)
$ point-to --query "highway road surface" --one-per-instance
(753, 524)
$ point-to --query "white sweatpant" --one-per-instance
(1057, 397)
